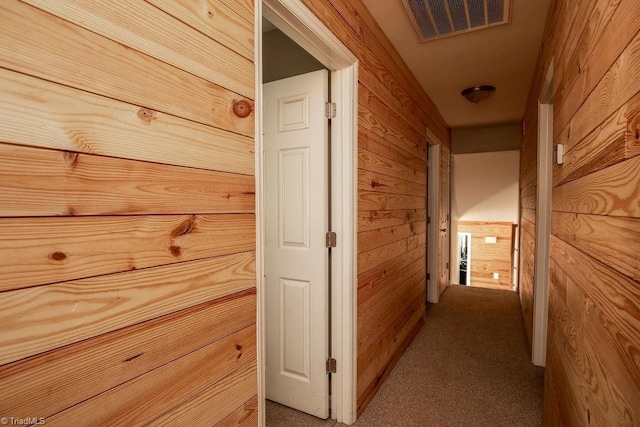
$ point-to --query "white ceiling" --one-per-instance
(503, 56)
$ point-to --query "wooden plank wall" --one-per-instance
(489, 258)
(394, 113)
(127, 213)
(593, 367)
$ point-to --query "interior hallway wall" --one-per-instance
(393, 114)
(127, 223)
(484, 188)
(593, 343)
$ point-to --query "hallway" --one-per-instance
(469, 365)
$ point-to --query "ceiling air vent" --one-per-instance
(434, 19)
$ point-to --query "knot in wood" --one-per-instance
(71, 158)
(242, 108)
(146, 115)
(58, 256)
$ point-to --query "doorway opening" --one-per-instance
(439, 218)
(543, 221)
(294, 20)
(464, 259)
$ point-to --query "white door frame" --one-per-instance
(433, 212)
(434, 147)
(294, 19)
(543, 221)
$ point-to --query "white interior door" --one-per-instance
(296, 257)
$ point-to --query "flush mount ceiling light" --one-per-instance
(478, 94)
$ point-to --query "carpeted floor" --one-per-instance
(468, 366)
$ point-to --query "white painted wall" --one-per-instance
(484, 188)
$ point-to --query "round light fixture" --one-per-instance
(478, 94)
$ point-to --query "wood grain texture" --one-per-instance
(43, 114)
(374, 162)
(375, 201)
(67, 183)
(244, 8)
(373, 220)
(592, 18)
(610, 191)
(612, 240)
(215, 20)
(375, 238)
(617, 86)
(602, 397)
(387, 353)
(149, 30)
(394, 119)
(598, 54)
(384, 273)
(377, 126)
(373, 181)
(140, 400)
(603, 147)
(64, 313)
(121, 356)
(373, 143)
(378, 313)
(615, 299)
(489, 258)
(214, 403)
(126, 220)
(87, 61)
(246, 415)
(37, 251)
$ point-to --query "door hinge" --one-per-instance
(447, 266)
(330, 110)
(331, 365)
(428, 276)
(331, 239)
(428, 220)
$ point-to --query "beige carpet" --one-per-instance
(468, 366)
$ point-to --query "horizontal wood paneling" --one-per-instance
(489, 258)
(592, 375)
(140, 400)
(66, 183)
(67, 312)
(613, 240)
(148, 29)
(375, 238)
(216, 20)
(394, 116)
(127, 226)
(212, 405)
(38, 251)
(371, 161)
(372, 220)
(90, 62)
(246, 415)
(122, 356)
(372, 181)
(611, 191)
(89, 123)
(244, 8)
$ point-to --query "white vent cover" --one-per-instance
(434, 19)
